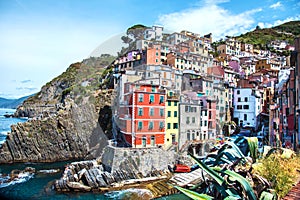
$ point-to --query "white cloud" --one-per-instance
(276, 5)
(209, 18)
(278, 22)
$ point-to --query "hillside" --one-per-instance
(261, 37)
(80, 80)
(12, 103)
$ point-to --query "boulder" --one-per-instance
(78, 186)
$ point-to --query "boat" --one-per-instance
(180, 168)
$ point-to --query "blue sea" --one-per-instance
(39, 185)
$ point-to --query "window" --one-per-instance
(161, 99)
(153, 89)
(246, 107)
(151, 99)
(141, 97)
(140, 112)
(187, 109)
(187, 120)
(193, 120)
(161, 125)
(150, 125)
(169, 126)
(169, 103)
(205, 122)
(175, 125)
(173, 138)
(152, 140)
(175, 113)
(245, 117)
(161, 112)
(144, 141)
(239, 107)
(151, 111)
(169, 113)
(175, 103)
(239, 99)
(140, 125)
(205, 113)
(238, 92)
(193, 136)
(246, 99)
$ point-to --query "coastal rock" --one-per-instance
(70, 134)
(16, 176)
(66, 120)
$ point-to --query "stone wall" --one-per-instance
(144, 161)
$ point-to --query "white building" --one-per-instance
(154, 33)
(246, 106)
(176, 38)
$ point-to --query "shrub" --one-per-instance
(281, 172)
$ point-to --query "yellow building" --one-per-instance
(172, 120)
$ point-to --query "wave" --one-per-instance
(131, 193)
(22, 177)
(4, 132)
(49, 171)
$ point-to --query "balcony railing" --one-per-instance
(173, 97)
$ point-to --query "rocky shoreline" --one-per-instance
(72, 133)
(141, 168)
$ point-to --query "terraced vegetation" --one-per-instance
(260, 37)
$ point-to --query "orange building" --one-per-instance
(145, 124)
(153, 55)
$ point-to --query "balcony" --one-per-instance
(173, 97)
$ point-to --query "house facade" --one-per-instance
(172, 119)
(246, 107)
(145, 124)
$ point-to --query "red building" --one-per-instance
(143, 125)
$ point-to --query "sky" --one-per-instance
(40, 39)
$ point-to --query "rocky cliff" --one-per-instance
(64, 117)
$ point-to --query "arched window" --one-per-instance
(193, 135)
(152, 140)
(144, 141)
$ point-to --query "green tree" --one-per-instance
(136, 31)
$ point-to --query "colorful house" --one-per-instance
(172, 119)
(145, 124)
